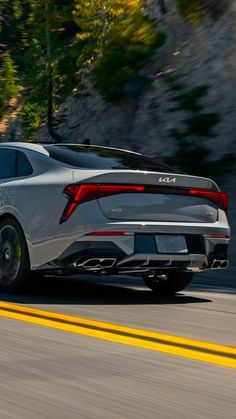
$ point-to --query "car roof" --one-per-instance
(27, 146)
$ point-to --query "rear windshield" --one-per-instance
(91, 157)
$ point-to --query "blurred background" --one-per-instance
(154, 76)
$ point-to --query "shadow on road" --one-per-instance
(74, 291)
(216, 282)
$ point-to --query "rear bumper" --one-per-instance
(68, 238)
(109, 257)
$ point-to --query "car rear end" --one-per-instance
(136, 221)
(108, 211)
(148, 226)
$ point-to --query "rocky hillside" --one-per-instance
(190, 89)
(187, 94)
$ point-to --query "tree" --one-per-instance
(9, 87)
(52, 41)
(162, 5)
(94, 18)
(50, 35)
(13, 17)
(117, 39)
(131, 43)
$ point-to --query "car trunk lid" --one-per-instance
(166, 197)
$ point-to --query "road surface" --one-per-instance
(49, 372)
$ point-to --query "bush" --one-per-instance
(192, 154)
(188, 101)
(131, 44)
(202, 125)
(193, 10)
(32, 116)
(9, 87)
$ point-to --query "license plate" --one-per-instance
(171, 244)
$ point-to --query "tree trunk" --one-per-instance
(162, 5)
(50, 87)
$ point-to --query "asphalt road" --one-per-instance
(49, 373)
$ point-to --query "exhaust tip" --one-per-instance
(220, 264)
(96, 263)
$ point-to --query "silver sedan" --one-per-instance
(80, 209)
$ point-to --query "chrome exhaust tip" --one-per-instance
(219, 264)
(96, 263)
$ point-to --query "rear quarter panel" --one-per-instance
(37, 203)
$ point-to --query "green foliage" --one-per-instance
(55, 42)
(117, 39)
(32, 116)
(41, 34)
(13, 18)
(195, 10)
(9, 87)
(131, 43)
(52, 51)
(189, 101)
(94, 18)
(173, 82)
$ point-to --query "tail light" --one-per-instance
(81, 193)
(217, 236)
(220, 198)
(77, 195)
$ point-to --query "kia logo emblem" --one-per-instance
(167, 180)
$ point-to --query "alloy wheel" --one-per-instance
(10, 254)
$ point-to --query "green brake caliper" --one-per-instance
(18, 251)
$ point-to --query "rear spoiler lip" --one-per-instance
(151, 178)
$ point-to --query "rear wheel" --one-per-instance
(14, 259)
(168, 283)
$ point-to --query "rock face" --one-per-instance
(195, 54)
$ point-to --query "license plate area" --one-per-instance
(171, 244)
(145, 243)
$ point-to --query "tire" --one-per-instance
(172, 283)
(14, 259)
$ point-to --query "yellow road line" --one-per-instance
(159, 342)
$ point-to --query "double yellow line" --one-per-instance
(159, 342)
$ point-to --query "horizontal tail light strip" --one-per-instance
(217, 236)
(81, 193)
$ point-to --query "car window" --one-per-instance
(7, 163)
(24, 167)
(92, 157)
